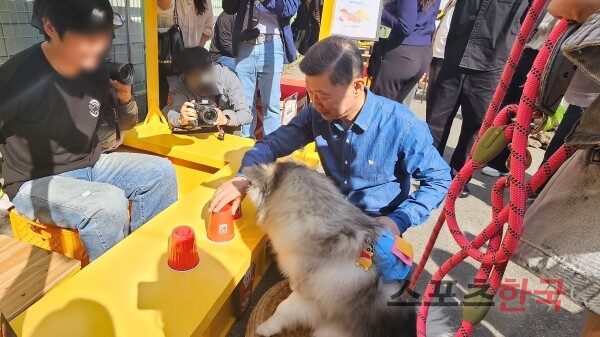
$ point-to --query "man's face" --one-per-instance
(576, 10)
(83, 51)
(332, 101)
(198, 81)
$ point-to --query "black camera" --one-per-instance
(121, 72)
(207, 113)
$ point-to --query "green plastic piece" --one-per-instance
(491, 144)
(477, 304)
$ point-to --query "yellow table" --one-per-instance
(130, 291)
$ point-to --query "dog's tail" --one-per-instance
(438, 324)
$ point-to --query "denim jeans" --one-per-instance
(262, 63)
(95, 200)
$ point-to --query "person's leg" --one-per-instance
(245, 68)
(269, 83)
(400, 70)
(570, 118)
(478, 90)
(148, 181)
(97, 211)
(434, 70)
(513, 96)
(411, 96)
(443, 103)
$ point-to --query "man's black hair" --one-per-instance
(191, 59)
(81, 16)
(338, 56)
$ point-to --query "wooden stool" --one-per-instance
(266, 307)
(27, 273)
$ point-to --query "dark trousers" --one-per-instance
(434, 70)
(570, 118)
(400, 70)
(513, 96)
(455, 88)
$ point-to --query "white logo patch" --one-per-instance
(94, 107)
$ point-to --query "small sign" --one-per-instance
(290, 109)
(357, 19)
(242, 294)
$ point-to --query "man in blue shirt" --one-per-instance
(369, 146)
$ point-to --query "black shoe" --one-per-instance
(465, 192)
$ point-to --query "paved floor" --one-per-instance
(537, 320)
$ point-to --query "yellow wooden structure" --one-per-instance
(130, 291)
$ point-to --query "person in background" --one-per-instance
(221, 46)
(195, 19)
(262, 43)
(53, 96)
(497, 166)
(482, 33)
(406, 53)
(370, 146)
(203, 80)
(439, 43)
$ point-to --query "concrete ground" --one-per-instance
(536, 320)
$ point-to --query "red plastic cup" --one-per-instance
(238, 213)
(220, 228)
(183, 251)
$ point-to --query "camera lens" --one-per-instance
(122, 72)
(209, 116)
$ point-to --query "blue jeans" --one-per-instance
(262, 63)
(95, 200)
(227, 61)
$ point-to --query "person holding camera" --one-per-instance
(262, 42)
(53, 97)
(207, 94)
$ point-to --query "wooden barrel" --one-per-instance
(266, 307)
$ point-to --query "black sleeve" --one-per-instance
(8, 105)
(225, 34)
(231, 6)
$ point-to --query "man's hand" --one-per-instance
(576, 10)
(221, 119)
(123, 91)
(233, 190)
(187, 113)
(389, 224)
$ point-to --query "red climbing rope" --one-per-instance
(500, 246)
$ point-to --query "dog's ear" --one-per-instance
(259, 175)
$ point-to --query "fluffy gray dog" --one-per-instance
(318, 236)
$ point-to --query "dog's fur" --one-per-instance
(317, 236)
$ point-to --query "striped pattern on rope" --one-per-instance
(500, 247)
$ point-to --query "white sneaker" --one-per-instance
(492, 172)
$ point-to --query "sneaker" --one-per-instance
(492, 172)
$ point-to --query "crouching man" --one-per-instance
(211, 84)
(370, 146)
(53, 97)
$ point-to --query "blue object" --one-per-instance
(389, 266)
(372, 162)
(410, 24)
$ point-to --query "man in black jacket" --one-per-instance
(481, 34)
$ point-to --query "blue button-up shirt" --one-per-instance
(373, 161)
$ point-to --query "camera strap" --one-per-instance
(175, 15)
(252, 20)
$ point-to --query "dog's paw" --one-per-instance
(267, 329)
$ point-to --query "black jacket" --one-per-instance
(482, 33)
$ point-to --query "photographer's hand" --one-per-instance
(123, 92)
(221, 118)
(187, 114)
